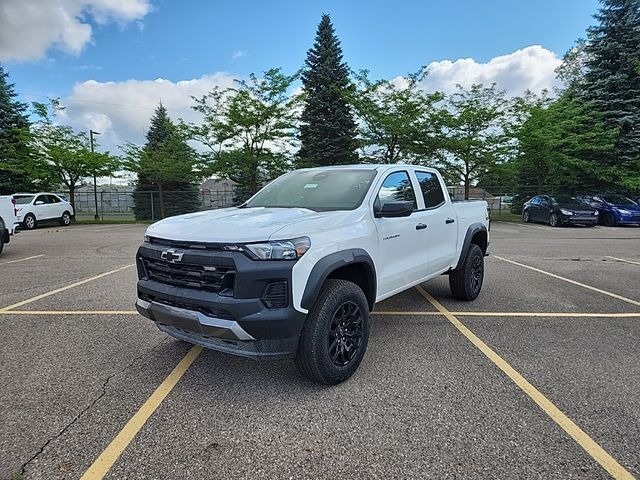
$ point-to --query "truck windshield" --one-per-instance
(319, 190)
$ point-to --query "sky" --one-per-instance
(112, 61)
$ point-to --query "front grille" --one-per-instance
(210, 278)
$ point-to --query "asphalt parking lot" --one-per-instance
(538, 378)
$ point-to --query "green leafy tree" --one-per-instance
(64, 155)
(15, 155)
(397, 120)
(475, 122)
(328, 129)
(249, 130)
(167, 169)
(611, 82)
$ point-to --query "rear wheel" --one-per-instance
(610, 220)
(554, 220)
(2, 235)
(466, 282)
(526, 216)
(335, 335)
(30, 221)
(65, 220)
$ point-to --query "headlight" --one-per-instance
(623, 211)
(279, 250)
(566, 212)
(146, 239)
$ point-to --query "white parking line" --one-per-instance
(623, 260)
(22, 259)
(568, 280)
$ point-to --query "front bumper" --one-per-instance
(236, 322)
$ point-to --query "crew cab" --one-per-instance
(34, 208)
(296, 270)
(7, 220)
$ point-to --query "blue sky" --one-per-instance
(87, 56)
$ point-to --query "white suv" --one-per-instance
(32, 208)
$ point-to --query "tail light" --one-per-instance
(15, 209)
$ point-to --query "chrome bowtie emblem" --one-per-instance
(171, 256)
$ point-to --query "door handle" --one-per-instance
(421, 226)
(449, 220)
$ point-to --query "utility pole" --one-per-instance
(95, 187)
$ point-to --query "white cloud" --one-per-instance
(529, 68)
(121, 111)
(28, 28)
(238, 54)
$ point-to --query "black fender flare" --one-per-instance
(471, 231)
(326, 265)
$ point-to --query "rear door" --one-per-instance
(401, 241)
(440, 218)
(544, 209)
(534, 209)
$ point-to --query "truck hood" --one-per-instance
(231, 225)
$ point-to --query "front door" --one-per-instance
(401, 241)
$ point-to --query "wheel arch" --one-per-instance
(476, 234)
(354, 265)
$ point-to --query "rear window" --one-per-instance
(23, 199)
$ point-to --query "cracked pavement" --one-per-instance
(424, 404)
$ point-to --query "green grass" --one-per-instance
(505, 217)
(112, 221)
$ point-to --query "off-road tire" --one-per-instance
(27, 224)
(466, 282)
(313, 357)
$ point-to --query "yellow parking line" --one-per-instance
(521, 314)
(599, 290)
(585, 441)
(68, 312)
(623, 260)
(22, 259)
(108, 457)
(62, 289)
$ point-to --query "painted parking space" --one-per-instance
(425, 401)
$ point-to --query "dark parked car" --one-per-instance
(614, 209)
(559, 210)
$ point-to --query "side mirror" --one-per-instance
(39, 202)
(395, 209)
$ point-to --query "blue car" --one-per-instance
(614, 209)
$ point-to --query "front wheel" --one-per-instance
(335, 335)
(610, 220)
(466, 282)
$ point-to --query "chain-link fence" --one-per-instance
(125, 204)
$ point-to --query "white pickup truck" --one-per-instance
(7, 220)
(296, 270)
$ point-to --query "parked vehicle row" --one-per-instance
(558, 210)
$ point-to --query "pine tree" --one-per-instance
(612, 80)
(165, 173)
(328, 130)
(14, 129)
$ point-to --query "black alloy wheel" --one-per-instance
(345, 334)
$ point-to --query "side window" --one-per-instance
(431, 189)
(53, 199)
(41, 198)
(535, 201)
(396, 187)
